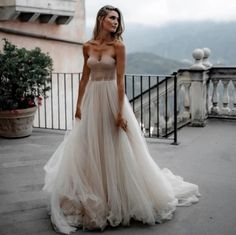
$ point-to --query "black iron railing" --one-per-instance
(57, 111)
(154, 101)
(153, 98)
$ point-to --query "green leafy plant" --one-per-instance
(24, 76)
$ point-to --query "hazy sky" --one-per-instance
(159, 12)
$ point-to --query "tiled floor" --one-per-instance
(205, 156)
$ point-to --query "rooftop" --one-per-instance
(205, 156)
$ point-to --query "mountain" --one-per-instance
(178, 40)
(149, 63)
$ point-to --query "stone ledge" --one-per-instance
(54, 11)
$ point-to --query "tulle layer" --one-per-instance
(101, 175)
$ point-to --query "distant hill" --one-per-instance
(178, 40)
(149, 63)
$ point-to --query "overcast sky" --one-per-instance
(159, 12)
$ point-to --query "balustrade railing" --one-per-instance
(161, 103)
(152, 98)
(154, 102)
(222, 92)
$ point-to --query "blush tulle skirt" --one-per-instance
(100, 175)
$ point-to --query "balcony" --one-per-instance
(205, 156)
(199, 96)
(46, 11)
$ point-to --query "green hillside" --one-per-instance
(178, 40)
(149, 63)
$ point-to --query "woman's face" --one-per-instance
(111, 22)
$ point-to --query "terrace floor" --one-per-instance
(205, 156)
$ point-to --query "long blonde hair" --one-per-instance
(102, 13)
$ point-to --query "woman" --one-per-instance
(102, 173)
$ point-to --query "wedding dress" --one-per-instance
(101, 175)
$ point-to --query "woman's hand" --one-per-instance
(78, 113)
(121, 122)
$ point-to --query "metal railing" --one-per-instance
(57, 110)
(154, 102)
(153, 98)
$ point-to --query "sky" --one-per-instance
(160, 12)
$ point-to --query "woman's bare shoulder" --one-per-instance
(90, 45)
(86, 44)
(119, 44)
(86, 48)
(92, 42)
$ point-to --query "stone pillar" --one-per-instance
(198, 98)
(198, 90)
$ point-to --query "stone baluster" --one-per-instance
(170, 111)
(154, 117)
(208, 102)
(162, 122)
(225, 108)
(146, 115)
(170, 120)
(162, 113)
(138, 117)
(179, 116)
(180, 102)
(186, 113)
(215, 97)
(153, 114)
(233, 111)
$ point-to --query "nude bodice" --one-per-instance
(103, 69)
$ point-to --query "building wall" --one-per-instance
(62, 42)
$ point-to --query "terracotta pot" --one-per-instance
(17, 123)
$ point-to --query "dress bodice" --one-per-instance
(103, 69)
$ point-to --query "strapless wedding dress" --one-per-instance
(100, 175)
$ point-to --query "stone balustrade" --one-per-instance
(154, 109)
(203, 91)
(222, 92)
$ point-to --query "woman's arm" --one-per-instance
(120, 70)
(84, 80)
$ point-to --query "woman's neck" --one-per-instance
(104, 36)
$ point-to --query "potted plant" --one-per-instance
(24, 78)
